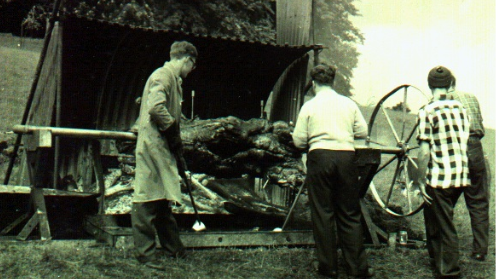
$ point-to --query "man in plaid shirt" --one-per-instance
(443, 132)
(477, 195)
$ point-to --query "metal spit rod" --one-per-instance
(75, 133)
(103, 134)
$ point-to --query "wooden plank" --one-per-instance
(105, 229)
(373, 230)
(28, 228)
(12, 189)
(40, 207)
(14, 224)
(97, 164)
(206, 239)
(41, 110)
(243, 238)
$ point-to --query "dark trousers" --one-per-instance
(153, 217)
(477, 196)
(442, 239)
(334, 199)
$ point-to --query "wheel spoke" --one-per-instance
(396, 172)
(412, 148)
(404, 112)
(386, 164)
(407, 186)
(407, 140)
(412, 161)
(390, 123)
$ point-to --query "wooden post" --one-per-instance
(37, 199)
(97, 166)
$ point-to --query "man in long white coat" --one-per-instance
(157, 184)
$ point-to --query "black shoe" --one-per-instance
(369, 273)
(324, 272)
(156, 264)
(479, 257)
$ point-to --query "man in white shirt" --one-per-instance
(327, 126)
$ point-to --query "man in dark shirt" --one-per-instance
(477, 195)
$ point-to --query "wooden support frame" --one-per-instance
(38, 209)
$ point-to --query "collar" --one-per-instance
(444, 96)
(168, 65)
(325, 91)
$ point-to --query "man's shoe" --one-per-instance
(324, 272)
(156, 264)
(479, 257)
(369, 273)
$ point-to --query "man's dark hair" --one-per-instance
(180, 49)
(323, 74)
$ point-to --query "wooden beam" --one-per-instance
(11, 189)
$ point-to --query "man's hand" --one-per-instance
(173, 136)
(425, 196)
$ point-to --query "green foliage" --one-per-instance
(244, 19)
(334, 29)
(36, 18)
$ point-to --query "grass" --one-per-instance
(88, 259)
(17, 68)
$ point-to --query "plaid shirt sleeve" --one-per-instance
(424, 129)
(471, 104)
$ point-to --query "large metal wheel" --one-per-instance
(392, 128)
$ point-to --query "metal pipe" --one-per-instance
(384, 150)
(192, 104)
(75, 133)
(58, 107)
(103, 134)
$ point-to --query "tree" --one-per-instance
(334, 29)
(399, 107)
(252, 20)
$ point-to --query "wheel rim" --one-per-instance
(392, 127)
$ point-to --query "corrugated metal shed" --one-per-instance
(105, 66)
